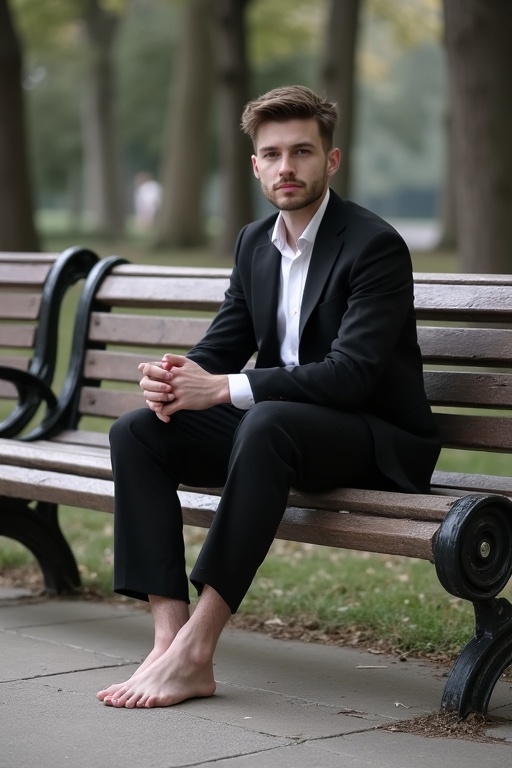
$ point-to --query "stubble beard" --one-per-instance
(308, 195)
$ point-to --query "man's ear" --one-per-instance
(333, 161)
(254, 161)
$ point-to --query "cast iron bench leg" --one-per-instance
(37, 528)
(482, 661)
(473, 558)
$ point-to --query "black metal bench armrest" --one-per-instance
(32, 392)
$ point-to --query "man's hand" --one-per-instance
(177, 383)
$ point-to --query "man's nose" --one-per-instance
(286, 167)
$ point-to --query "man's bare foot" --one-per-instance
(169, 617)
(177, 675)
(150, 658)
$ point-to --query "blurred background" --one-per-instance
(119, 119)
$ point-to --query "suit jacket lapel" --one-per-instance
(266, 275)
(328, 243)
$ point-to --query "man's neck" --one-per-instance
(295, 222)
(294, 226)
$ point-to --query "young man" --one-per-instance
(323, 292)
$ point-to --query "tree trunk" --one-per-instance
(181, 221)
(478, 40)
(229, 35)
(104, 197)
(17, 229)
(338, 75)
(448, 208)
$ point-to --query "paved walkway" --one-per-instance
(278, 703)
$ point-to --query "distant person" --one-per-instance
(322, 292)
(147, 199)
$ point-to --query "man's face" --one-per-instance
(292, 163)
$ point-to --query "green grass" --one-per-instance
(307, 591)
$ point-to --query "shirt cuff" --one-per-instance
(240, 391)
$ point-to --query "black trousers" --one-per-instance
(257, 455)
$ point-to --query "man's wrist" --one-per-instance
(222, 394)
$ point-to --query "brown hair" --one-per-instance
(291, 102)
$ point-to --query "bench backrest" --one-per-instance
(467, 355)
(465, 334)
(32, 287)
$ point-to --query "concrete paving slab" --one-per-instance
(295, 756)
(381, 749)
(125, 635)
(376, 749)
(280, 715)
(48, 611)
(55, 723)
(24, 657)
(278, 703)
(333, 676)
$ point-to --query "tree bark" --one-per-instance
(338, 76)
(17, 228)
(478, 40)
(181, 221)
(448, 212)
(231, 67)
(104, 197)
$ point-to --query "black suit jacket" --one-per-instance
(358, 347)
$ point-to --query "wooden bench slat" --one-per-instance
(466, 346)
(461, 278)
(31, 274)
(154, 292)
(47, 456)
(491, 390)
(15, 361)
(27, 258)
(478, 433)
(166, 271)
(83, 437)
(467, 483)
(408, 538)
(54, 487)
(109, 403)
(112, 366)
(459, 301)
(20, 306)
(15, 335)
(153, 331)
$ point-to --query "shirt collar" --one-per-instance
(309, 234)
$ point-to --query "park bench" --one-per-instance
(128, 313)
(32, 289)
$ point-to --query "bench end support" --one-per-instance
(37, 528)
(473, 559)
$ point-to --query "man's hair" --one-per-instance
(291, 102)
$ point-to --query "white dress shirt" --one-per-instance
(294, 270)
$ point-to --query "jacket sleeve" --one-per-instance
(380, 298)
